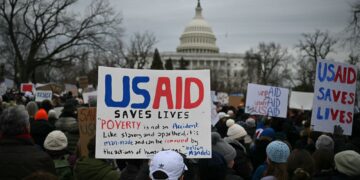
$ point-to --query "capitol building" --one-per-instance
(198, 48)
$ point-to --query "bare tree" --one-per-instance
(45, 33)
(312, 46)
(353, 29)
(267, 64)
(316, 45)
(140, 47)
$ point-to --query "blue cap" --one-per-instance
(278, 152)
(268, 132)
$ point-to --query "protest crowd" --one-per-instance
(40, 140)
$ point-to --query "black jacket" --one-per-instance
(20, 157)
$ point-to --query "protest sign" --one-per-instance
(87, 127)
(43, 95)
(26, 87)
(223, 98)
(266, 100)
(141, 112)
(83, 82)
(235, 101)
(88, 96)
(301, 100)
(55, 88)
(334, 97)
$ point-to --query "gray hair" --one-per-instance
(14, 121)
(32, 108)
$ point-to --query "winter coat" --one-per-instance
(231, 175)
(39, 130)
(19, 157)
(70, 127)
(95, 169)
(129, 172)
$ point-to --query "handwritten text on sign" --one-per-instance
(334, 96)
(266, 100)
(141, 112)
(43, 95)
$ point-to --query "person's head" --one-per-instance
(14, 121)
(301, 165)
(348, 162)
(52, 114)
(47, 105)
(32, 108)
(277, 154)
(268, 133)
(325, 142)
(167, 165)
(235, 131)
(213, 168)
(41, 115)
(224, 148)
(324, 160)
(55, 142)
(250, 122)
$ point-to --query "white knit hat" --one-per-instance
(235, 131)
(55, 141)
(348, 162)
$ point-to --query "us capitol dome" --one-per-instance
(198, 36)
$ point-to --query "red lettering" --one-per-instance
(334, 114)
(351, 75)
(103, 122)
(342, 116)
(343, 97)
(350, 116)
(128, 125)
(336, 95)
(110, 122)
(178, 93)
(188, 104)
(160, 92)
(338, 75)
(352, 98)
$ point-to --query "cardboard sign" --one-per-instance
(26, 87)
(43, 95)
(83, 82)
(87, 127)
(334, 97)
(141, 112)
(223, 98)
(236, 101)
(266, 100)
(55, 88)
(301, 100)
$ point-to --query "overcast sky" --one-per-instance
(238, 24)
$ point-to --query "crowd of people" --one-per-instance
(41, 141)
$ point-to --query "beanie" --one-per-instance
(324, 142)
(222, 147)
(348, 162)
(52, 114)
(268, 132)
(41, 115)
(235, 131)
(250, 122)
(55, 141)
(278, 151)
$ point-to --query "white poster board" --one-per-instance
(43, 95)
(223, 98)
(141, 112)
(334, 97)
(301, 100)
(266, 100)
(89, 95)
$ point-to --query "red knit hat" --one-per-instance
(41, 115)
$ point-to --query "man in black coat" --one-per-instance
(19, 157)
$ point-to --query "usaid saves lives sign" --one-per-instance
(334, 97)
(141, 112)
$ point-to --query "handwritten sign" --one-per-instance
(301, 100)
(236, 101)
(141, 112)
(89, 95)
(43, 95)
(266, 100)
(87, 127)
(334, 97)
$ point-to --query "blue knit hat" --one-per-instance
(278, 152)
(268, 132)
